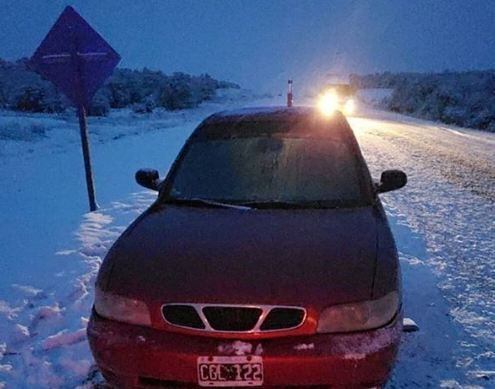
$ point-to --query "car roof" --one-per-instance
(305, 122)
(269, 113)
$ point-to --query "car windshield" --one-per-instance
(265, 171)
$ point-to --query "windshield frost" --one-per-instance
(293, 170)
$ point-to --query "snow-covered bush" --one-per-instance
(142, 90)
(147, 106)
(100, 106)
(177, 93)
(22, 89)
(463, 98)
(29, 99)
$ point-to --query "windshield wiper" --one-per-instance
(200, 201)
(275, 204)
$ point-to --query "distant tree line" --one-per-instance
(142, 90)
(462, 98)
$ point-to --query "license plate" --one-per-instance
(230, 371)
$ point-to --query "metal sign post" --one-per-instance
(93, 206)
(78, 61)
(83, 123)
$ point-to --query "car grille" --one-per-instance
(282, 318)
(233, 318)
(182, 315)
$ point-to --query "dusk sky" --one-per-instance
(260, 44)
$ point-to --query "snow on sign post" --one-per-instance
(78, 61)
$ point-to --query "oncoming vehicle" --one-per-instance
(337, 97)
(266, 260)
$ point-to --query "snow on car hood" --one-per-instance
(216, 255)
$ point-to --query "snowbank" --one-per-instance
(43, 341)
(465, 99)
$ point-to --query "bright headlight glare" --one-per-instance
(328, 103)
(349, 107)
(361, 316)
(127, 310)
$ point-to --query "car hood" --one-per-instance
(232, 256)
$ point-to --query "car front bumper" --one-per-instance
(134, 356)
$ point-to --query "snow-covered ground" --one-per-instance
(50, 249)
(444, 222)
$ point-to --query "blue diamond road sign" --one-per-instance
(78, 61)
(75, 58)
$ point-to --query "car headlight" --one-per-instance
(349, 107)
(328, 103)
(361, 316)
(127, 310)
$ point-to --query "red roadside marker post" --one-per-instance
(78, 61)
(289, 94)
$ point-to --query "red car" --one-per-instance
(266, 260)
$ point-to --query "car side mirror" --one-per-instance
(149, 178)
(391, 180)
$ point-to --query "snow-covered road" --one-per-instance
(444, 223)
